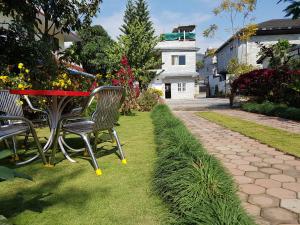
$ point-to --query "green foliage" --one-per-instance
(137, 44)
(293, 9)
(91, 51)
(210, 31)
(273, 109)
(277, 53)
(236, 69)
(199, 65)
(149, 99)
(193, 183)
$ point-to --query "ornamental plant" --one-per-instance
(125, 78)
(19, 77)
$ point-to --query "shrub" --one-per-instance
(192, 182)
(279, 86)
(147, 100)
(272, 109)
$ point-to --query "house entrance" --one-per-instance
(168, 90)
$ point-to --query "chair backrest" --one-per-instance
(9, 104)
(109, 100)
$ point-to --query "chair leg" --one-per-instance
(96, 135)
(91, 153)
(124, 161)
(26, 140)
(40, 149)
(15, 157)
(111, 133)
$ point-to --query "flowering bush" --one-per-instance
(19, 77)
(125, 78)
(280, 86)
(148, 99)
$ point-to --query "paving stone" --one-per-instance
(260, 164)
(263, 200)
(292, 186)
(283, 178)
(233, 157)
(273, 161)
(285, 157)
(291, 204)
(243, 196)
(283, 166)
(292, 173)
(251, 209)
(268, 183)
(243, 180)
(240, 162)
(252, 159)
(236, 172)
(261, 221)
(256, 175)
(230, 165)
(281, 193)
(270, 170)
(247, 168)
(252, 189)
(279, 215)
(293, 162)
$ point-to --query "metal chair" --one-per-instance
(14, 123)
(109, 100)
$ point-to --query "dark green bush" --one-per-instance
(192, 182)
(272, 109)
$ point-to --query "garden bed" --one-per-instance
(272, 109)
(193, 183)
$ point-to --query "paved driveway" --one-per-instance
(198, 104)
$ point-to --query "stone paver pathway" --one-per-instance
(276, 122)
(268, 180)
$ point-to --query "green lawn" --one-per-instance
(279, 139)
(73, 194)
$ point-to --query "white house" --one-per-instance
(63, 39)
(176, 78)
(269, 32)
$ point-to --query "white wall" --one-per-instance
(226, 53)
(189, 93)
(190, 66)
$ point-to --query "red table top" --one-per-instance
(49, 93)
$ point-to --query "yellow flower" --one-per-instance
(20, 65)
(19, 102)
(27, 70)
(21, 86)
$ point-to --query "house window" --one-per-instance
(181, 87)
(178, 60)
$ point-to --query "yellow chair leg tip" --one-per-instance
(124, 161)
(98, 172)
(48, 165)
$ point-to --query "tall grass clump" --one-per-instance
(193, 183)
(273, 109)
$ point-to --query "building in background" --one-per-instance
(177, 76)
(268, 33)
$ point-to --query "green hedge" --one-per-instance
(272, 109)
(193, 183)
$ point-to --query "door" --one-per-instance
(168, 90)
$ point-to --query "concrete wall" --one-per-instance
(189, 93)
(190, 58)
(246, 52)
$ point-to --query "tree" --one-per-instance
(137, 44)
(45, 19)
(293, 9)
(91, 51)
(129, 17)
(239, 13)
(236, 69)
(278, 54)
(60, 16)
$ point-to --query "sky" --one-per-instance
(167, 14)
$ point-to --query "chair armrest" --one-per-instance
(18, 118)
(31, 106)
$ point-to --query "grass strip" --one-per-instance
(279, 139)
(193, 183)
(272, 109)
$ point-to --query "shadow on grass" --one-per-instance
(44, 195)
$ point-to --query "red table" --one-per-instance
(57, 101)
